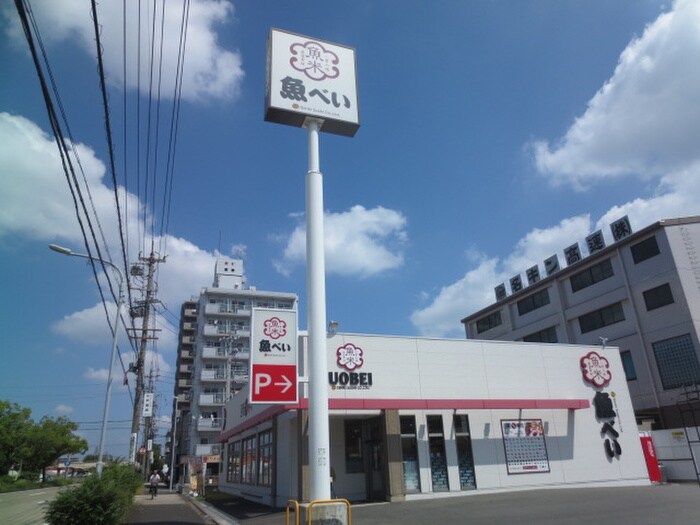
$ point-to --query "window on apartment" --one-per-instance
(658, 297)
(644, 250)
(599, 318)
(548, 335)
(354, 461)
(590, 276)
(490, 321)
(265, 458)
(628, 365)
(534, 301)
(677, 361)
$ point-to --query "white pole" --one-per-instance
(108, 394)
(319, 464)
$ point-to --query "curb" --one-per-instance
(218, 517)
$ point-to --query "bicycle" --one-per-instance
(153, 491)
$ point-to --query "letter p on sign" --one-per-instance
(261, 381)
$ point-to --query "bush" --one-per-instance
(96, 501)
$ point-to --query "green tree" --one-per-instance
(34, 446)
(15, 425)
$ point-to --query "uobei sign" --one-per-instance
(273, 356)
(307, 77)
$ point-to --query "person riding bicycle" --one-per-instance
(153, 483)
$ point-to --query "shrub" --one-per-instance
(96, 501)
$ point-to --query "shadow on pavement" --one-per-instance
(241, 509)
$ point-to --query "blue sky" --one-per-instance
(493, 135)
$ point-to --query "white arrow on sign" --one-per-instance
(286, 383)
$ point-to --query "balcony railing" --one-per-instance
(214, 375)
(209, 423)
(212, 399)
(208, 450)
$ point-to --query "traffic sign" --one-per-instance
(274, 384)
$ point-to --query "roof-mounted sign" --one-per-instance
(307, 77)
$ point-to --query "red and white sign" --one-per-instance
(596, 369)
(273, 356)
(274, 384)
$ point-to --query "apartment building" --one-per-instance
(640, 294)
(213, 362)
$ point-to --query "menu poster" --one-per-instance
(525, 448)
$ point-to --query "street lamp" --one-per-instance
(108, 393)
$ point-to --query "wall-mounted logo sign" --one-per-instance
(596, 369)
(350, 357)
(595, 242)
(621, 228)
(307, 77)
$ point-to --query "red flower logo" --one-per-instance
(596, 369)
(275, 328)
(350, 356)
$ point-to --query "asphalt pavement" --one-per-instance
(667, 504)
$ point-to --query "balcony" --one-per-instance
(209, 424)
(218, 374)
(183, 398)
(208, 450)
(186, 369)
(190, 312)
(212, 399)
(213, 352)
(213, 330)
(189, 326)
(224, 309)
(184, 383)
(187, 340)
(186, 354)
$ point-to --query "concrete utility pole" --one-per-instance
(152, 260)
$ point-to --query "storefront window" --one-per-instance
(409, 451)
(354, 461)
(233, 462)
(265, 458)
(467, 479)
(248, 460)
(438, 461)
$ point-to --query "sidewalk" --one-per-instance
(171, 507)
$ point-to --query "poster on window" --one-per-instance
(523, 441)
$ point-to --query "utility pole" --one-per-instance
(151, 261)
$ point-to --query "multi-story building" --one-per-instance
(640, 294)
(213, 360)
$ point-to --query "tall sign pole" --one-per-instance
(312, 84)
(319, 441)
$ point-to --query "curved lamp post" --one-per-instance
(108, 393)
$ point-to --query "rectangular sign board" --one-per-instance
(308, 77)
(273, 356)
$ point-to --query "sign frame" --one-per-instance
(328, 94)
(274, 356)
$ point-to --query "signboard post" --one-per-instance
(312, 83)
(273, 357)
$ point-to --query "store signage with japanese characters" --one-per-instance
(596, 371)
(595, 242)
(307, 77)
(273, 356)
(350, 358)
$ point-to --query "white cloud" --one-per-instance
(358, 242)
(645, 120)
(100, 375)
(64, 410)
(29, 160)
(210, 72)
(476, 289)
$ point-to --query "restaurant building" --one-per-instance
(418, 418)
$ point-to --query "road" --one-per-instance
(26, 507)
